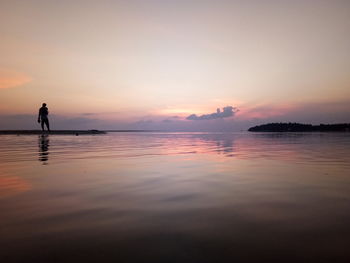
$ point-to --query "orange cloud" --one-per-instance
(10, 79)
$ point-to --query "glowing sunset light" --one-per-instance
(183, 112)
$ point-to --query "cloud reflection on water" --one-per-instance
(12, 185)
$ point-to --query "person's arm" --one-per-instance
(39, 115)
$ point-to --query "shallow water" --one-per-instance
(175, 197)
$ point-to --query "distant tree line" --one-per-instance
(300, 127)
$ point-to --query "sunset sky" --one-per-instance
(151, 64)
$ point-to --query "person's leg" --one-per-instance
(47, 124)
(42, 124)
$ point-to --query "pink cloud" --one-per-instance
(264, 111)
(309, 112)
(11, 79)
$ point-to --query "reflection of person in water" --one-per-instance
(43, 113)
(44, 148)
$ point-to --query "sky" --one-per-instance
(151, 64)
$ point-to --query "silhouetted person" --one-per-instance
(43, 113)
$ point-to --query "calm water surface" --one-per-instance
(175, 197)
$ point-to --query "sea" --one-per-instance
(175, 197)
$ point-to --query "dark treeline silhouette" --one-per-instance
(300, 127)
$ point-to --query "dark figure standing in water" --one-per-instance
(43, 113)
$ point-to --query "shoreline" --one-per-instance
(53, 132)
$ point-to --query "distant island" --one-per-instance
(300, 127)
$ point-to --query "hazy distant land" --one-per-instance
(299, 127)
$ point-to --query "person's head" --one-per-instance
(44, 104)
